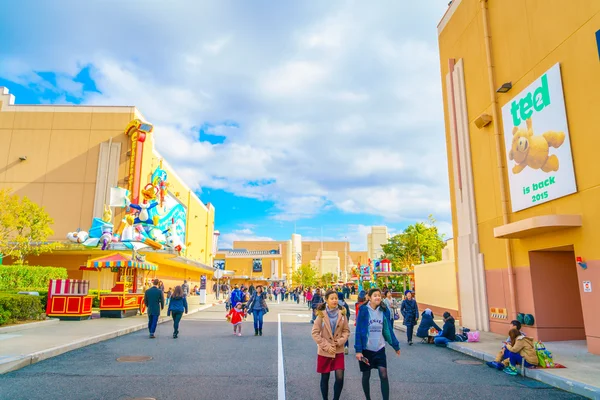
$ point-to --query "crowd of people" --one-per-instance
(375, 313)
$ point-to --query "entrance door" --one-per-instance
(557, 301)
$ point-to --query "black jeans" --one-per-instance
(176, 318)
(409, 332)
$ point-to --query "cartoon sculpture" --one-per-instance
(78, 237)
(173, 239)
(143, 215)
(126, 230)
(107, 236)
(107, 215)
(532, 151)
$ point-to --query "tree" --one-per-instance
(328, 279)
(418, 242)
(306, 275)
(24, 227)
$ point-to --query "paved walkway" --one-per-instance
(582, 375)
(28, 346)
(208, 362)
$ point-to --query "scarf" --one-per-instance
(333, 317)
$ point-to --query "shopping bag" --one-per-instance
(473, 336)
(544, 356)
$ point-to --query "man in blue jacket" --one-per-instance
(155, 302)
(237, 296)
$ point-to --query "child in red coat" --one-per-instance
(235, 316)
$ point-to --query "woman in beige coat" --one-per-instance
(330, 332)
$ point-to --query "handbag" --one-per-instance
(396, 316)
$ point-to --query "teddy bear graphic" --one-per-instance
(532, 151)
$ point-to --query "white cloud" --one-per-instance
(245, 234)
(338, 103)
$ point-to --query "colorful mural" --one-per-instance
(158, 221)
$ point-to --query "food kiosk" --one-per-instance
(126, 298)
(68, 299)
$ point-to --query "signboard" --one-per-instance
(587, 286)
(377, 267)
(257, 265)
(219, 264)
(538, 148)
(203, 282)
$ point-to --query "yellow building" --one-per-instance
(245, 267)
(283, 257)
(379, 236)
(70, 159)
(521, 93)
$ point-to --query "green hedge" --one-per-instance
(96, 300)
(28, 278)
(19, 307)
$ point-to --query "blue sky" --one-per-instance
(306, 116)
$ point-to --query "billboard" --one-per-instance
(538, 147)
(219, 264)
(257, 265)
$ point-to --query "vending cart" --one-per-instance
(126, 298)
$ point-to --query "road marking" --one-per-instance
(280, 371)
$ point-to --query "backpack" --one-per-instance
(544, 356)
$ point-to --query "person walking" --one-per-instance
(330, 331)
(237, 296)
(251, 289)
(410, 313)
(373, 330)
(155, 302)
(362, 299)
(185, 288)
(392, 304)
(342, 303)
(257, 305)
(236, 316)
(169, 294)
(316, 301)
(177, 307)
(309, 297)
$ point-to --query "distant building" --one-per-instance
(281, 258)
(379, 236)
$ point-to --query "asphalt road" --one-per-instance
(208, 362)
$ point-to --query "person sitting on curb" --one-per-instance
(448, 333)
(426, 324)
(503, 353)
(521, 351)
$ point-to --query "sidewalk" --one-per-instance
(582, 375)
(28, 346)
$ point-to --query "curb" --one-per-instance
(568, 385)
(30, 325)
(10, 364)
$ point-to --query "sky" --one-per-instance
(316, 117)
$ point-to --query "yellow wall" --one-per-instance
(242, 266)
(200, 217)
(435, 284)
(528, 37)
(62, 147)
